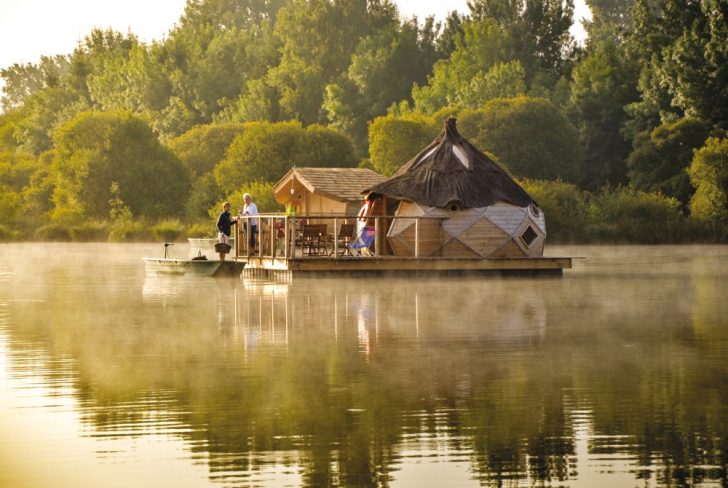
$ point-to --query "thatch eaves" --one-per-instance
(452, 172)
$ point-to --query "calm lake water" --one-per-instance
(615, 374)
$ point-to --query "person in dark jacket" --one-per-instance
(224, 225)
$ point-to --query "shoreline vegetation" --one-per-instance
(620, 139)
(613, 216)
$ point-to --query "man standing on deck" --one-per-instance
(224, 223)
(250, 209)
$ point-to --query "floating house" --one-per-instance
(477, 209)
(450, 209)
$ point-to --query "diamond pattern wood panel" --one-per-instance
(483, 237)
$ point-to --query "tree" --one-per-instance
(265, 151)
(604, 82)
(95, 150)
(16, 171)
(203, 146)
(539, 30)
(530, 136)
(661, 157)
(709, 175)
(383, 69)
(681, 47)
(22, 81)
(318, 38)
(482, 45)
(395, 140)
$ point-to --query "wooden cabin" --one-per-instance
(325, 191)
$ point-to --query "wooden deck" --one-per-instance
(292, 255)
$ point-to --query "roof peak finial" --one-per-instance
(451, 130)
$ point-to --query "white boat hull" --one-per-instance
(180, 267)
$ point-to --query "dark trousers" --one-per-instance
(251, 235)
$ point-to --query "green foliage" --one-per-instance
(628, 215)
(168, 230)
(683, 47)
(22, 81)
(97, 149)
(529, 135)
(16, 170)
(204, 194)
(709, 175)
(11, 207)
(9, 234)
(263, 197)
(395, 140)
(604, 82)
(206, 229)
(52, 232)
(565, 206)
(126, 230)
(661, 157)
(265, 151)
(203, 146)
(382, 72)
(92, 231)
(539, 31)
(318, 38)
(481, 46)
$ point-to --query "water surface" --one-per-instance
(615, 374)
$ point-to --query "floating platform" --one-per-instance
(256, 266)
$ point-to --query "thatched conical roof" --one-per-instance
(451, 171)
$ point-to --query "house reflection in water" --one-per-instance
(264, 313)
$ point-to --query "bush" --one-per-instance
(564, 206)
(53, 232)
(628, 215)
(7, 234)
(201, 229)
(126, 230)
(168, 230)
(89, 232)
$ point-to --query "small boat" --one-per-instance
(179, 267)
(197, 266)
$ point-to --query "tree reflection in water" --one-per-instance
(362, 382)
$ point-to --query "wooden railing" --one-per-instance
(281, 236)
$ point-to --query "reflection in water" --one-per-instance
(613, 375)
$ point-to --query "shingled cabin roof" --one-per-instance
(452, 172)
(343, 184)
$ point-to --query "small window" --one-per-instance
(529, 236)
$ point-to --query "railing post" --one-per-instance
(287, 236)
(260, 238)
(272, 231)
(417, 237)
(376, 236)
(336, 237)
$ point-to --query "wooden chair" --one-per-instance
(313, 239)
(344, 237)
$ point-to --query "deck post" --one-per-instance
(336, 237)
(417, 238)
(272, 236)
(287, 237)
(260, 239)
(376, 236)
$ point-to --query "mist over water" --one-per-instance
(615, 374)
